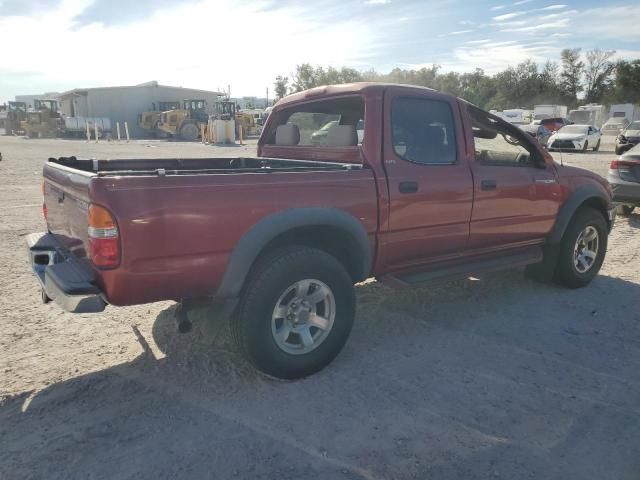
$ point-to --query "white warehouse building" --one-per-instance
(124, 104)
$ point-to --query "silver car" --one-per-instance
(624, 177)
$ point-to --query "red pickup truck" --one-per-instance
(407, 185)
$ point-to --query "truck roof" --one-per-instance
(326, 91)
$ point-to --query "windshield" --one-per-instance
(634, 126)
(574, 129)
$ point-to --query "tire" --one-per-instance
(274, 285)
(567, 273)
(597, 147)
(618, 151)
(625, 210)
(586, 146)
(189, 131)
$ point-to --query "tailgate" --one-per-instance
(66, 196)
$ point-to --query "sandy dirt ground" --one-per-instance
(494, 378)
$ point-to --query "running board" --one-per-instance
(522, 258)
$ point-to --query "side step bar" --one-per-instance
(522, 258)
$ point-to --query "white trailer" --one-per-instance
(590, 114)
(540, 112)
(625, 110)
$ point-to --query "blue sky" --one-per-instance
(62, 44)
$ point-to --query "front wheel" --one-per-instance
(582, 249)
(597, 147)
(586, 145)
(296, 312)
(189, 132)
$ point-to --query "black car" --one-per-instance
(629, 137)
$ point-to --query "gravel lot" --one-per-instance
(496, 378)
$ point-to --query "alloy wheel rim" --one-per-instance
(303, 316)
(585, 251)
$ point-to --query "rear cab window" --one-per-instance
(337, 123)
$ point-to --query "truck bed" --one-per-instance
(180, 219)
(194, 166)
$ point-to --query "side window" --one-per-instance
(423, 131)
(497, 143)
(330, 122)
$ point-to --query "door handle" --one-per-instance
(408, 187)
(488, 185)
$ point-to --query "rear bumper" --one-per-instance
(626, 192)
(62, 276)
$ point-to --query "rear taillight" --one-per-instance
(617, 164)
(104, 238)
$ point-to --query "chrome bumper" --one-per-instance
(62, 276)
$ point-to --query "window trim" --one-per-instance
(537, 161)
(453, 124)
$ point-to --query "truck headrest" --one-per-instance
(287, 134)
(342, 136)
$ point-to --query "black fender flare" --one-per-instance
(580, 195)
(252, 243)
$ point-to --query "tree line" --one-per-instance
(592, 77)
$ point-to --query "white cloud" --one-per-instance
(508, 16)
(496, 57)
(465, 22)
(498, 7)
(522, 2)
(541, 26)
(228, 54)
(554, 7)
(377, 2)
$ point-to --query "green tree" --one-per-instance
(598, 74)
(571, 74)
(281, 85)
(627, 82)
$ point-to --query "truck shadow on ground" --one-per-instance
(470, 379)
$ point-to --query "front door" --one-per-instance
(516, 194)
(429, 180)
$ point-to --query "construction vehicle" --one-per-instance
(184, 123)
(149, 120)
(44, 121)
(12, 117)
(248, 121)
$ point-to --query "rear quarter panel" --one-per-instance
(177, 232)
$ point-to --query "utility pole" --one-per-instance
(267, 97)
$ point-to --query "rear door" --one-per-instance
(429, 180)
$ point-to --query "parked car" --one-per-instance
(624, 178)
(552, 124)
(575, 137)
(629, 137)
(539, 132)
(438, 189)
(614, 126)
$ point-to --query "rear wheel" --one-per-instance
(295, 313)
(582, 249)
(625, 210)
